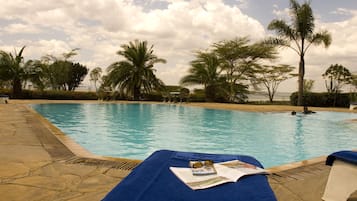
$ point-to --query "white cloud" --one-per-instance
(341, 51)
(19, 28)
(342, 11)
(99, 27)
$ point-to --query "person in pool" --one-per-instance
(307, 111)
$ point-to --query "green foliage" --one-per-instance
(95, 76)
(270, 76)
(308, 85)
(205, 71)
(299, 36)
(198, 96)
(240, 60)
(354, 81)
(169, 88)
(77, 75)
(153, 96)
(135, 74)
(226, 69)
(53, 95)
(14, 69)
(335, 77)
(323, 99)
(66, 75)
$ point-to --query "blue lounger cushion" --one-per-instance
(346, 156)
(152, 180)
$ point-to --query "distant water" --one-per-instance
(136, 130)
(263, 96)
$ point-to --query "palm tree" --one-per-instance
(136, 72)
(14, 69)
(205, 70)
(95, 75)
(301, 33)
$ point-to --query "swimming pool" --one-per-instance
(136, 130)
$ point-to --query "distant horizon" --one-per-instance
(92, 88)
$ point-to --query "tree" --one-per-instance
(13, 68)
(299, 36)
(240, 61)
(308, 85)
(60, 73)
(135, 73)
(76, 75)
(354, 81)
(336, 76)
(95, 75)
(205, 71)
(271, 76)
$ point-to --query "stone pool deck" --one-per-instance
(36, 165)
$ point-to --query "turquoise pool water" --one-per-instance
(136, 130)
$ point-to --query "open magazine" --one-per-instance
(229, 171)
(202, 167)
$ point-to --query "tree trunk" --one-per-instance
(16, 88)
(301, 81)
(136, 93)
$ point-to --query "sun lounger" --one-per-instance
(4, 98)
(152, 180)
(342, 180)
(353, 106)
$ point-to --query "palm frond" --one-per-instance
(282, 29)
(321, 38)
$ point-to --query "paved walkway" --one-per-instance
(36, 166)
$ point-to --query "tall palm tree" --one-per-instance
(95, 75)
(13, 68)
(301, 34)
(205, 71)
(136, 73)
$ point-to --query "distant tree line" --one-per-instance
(49, 72)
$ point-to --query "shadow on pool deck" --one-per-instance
(35, 165)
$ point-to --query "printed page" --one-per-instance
(229, 171)
(198, 182)
(239, 169)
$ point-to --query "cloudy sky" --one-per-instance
(176, 28)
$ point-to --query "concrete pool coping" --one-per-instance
(302, 180)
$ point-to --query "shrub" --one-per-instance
(53, 95)
(323, 99)
(153, 96)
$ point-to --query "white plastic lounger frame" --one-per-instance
(342, 181)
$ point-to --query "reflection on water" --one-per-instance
(136, 130)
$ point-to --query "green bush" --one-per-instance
(154, 96)
(197, 97)
(323, 99)
(5, 92)
(54, 95)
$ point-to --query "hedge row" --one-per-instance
(74, 95)
(310, 99)
(325, 99)
(53, 95)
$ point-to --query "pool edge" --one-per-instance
(80, 151)
(70, 144)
